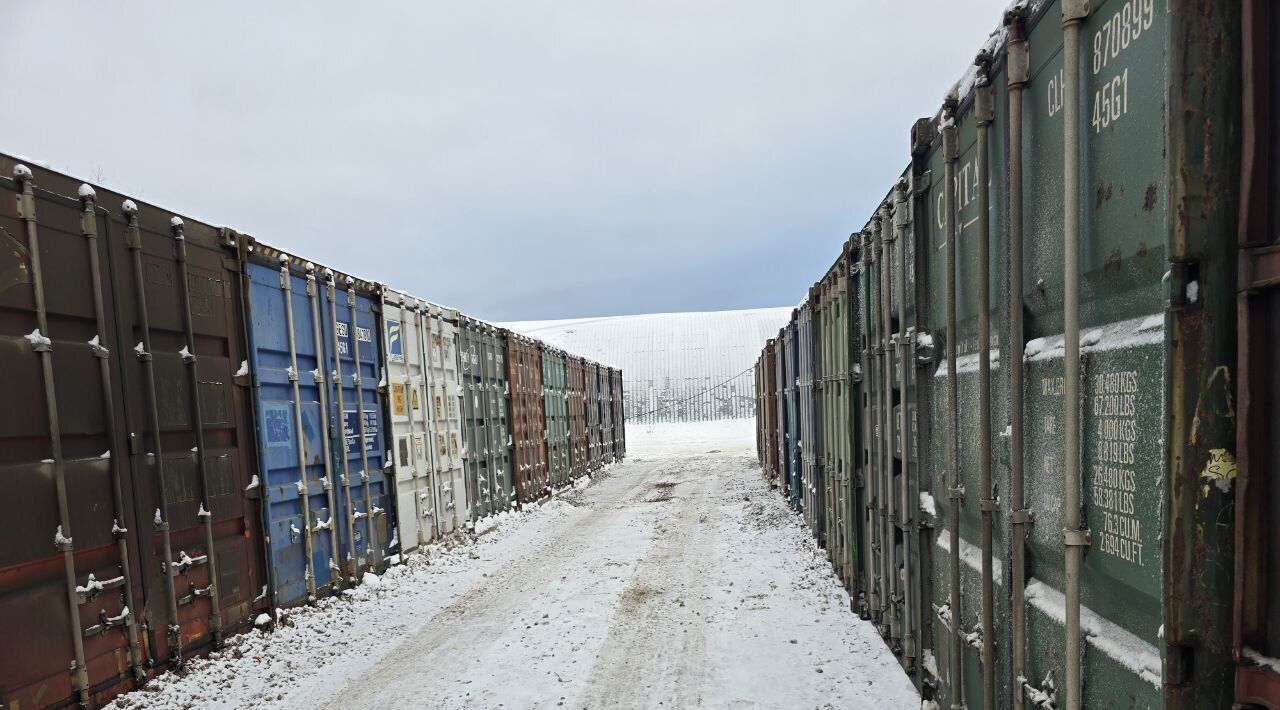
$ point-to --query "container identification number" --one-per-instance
(1111, 99)
(1123, 28)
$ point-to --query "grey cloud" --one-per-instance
(516, 159)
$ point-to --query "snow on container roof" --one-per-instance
(675, 366)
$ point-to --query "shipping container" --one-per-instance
(769, 402)
(619, 415)
(790, 411)
(444, 386)
(579, 438)
(482, 357)
(780, 411)
(120, 333)
(809, 480)
(424, 408)
(606, 415)
(1060, 234)
(325, 497)
(555, 385)
(591, 374)
(1257, 492)
(528, 418)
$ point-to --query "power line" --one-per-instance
(692, 396)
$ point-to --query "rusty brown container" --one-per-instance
(132, 453)
(1256, 618)
(592, 374)
(528, 417)
(579, 439)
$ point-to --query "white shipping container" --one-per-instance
(423, 398)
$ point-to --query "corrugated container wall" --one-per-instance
(1059, 234)
(482, 357)
(591, 374)
(424, 404)
(579, 439)
(606, 414)
(119, 323)
(318, 501)
(808, 445)
(791, 412)
(528, 417)
(619, 414)
(555, 386)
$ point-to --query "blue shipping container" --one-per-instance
(318, 501)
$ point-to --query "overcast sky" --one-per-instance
(517, 159)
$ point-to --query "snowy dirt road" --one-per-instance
(674, 580)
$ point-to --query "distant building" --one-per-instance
(676, 367)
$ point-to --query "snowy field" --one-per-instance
(672, 580)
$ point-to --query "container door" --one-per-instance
(1257, 493)
(289, 386)
(355, 369)
(478, 439)
(40, 625)
(404, 342)
(445, 394)
(181, 339)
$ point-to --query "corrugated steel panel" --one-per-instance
(606, 415)
(1257, 543)
(1118, 593)
(528, 418)
(671, 360)
(617, 398)
(482, 357)
(322, 489)
(148, 441)
(579, 438)
(555, 382)
(791, 412)
(424, 404)
(591, 373)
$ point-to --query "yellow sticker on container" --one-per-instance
(397, 400)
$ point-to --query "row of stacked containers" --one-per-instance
(199, 428)
(1029, 409)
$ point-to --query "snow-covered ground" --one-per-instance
(674, 580)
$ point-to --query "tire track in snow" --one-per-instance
(454, 643)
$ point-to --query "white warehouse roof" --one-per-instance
(675, 366)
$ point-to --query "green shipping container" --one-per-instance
(482, 369)
(555, 386)
(1044, 498)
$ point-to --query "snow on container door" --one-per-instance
(416, 487)
(355, 367)
(445, 392)
(808, 430)
(528, 417)
(606, 415)
(787, 408)
(481, 365)
(591, 374)
(579, 440)
(183, 342)
(285, 311)
(62, 304)
(619, 417)
(556, 403)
